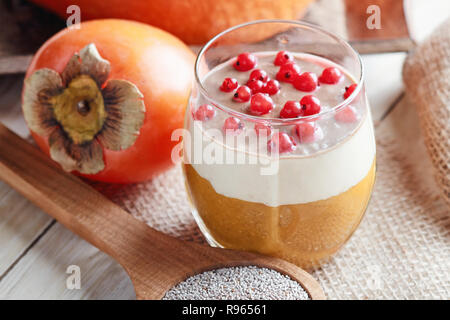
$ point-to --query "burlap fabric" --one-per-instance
(402, 248)
(426, 74)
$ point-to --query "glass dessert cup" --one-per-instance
(301, 205)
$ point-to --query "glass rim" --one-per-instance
(249, 117)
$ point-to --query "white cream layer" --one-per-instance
(299, 179)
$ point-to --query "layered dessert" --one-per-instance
(281, 155)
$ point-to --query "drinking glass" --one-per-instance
(300, 207)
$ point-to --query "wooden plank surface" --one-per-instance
(21, 223)
(41, 273)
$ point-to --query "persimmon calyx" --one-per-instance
(81, 112)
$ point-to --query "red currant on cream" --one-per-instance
(283, 57)
(229, 84)
(260, 104)
(346, 115)
(281, 142)
(255, 85)
(232, 125)
(258, 74)
(288, 72)
(307, 132)
(271, 87)
(291, 109)
(242, 94)
(306, 82)
(204, 112)
(310, 105)
(331, 75)
(245, 62)
(263, 129)
(349, 90)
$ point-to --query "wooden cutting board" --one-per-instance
(393, 34)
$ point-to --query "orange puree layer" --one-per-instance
(304, 234)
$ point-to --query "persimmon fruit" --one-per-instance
(104, 99)
(194, 22)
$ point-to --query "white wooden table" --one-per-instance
(35, 250)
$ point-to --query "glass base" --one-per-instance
(204, 229)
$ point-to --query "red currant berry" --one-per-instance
(349, 90)
(258, 74)
(244, 62)
(232, 125)
(271, 87)
(260, 104)
(346, 115)
(308, 132)
(204, 112)
(307, 82)
(281, 142)
(283, 57)
(330, 75)
(229, 84)
(291, 109)
(310, 105)
(242, 94)
(263, 129)
(288, 72)
(255, 85)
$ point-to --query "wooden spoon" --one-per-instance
(154, 261)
